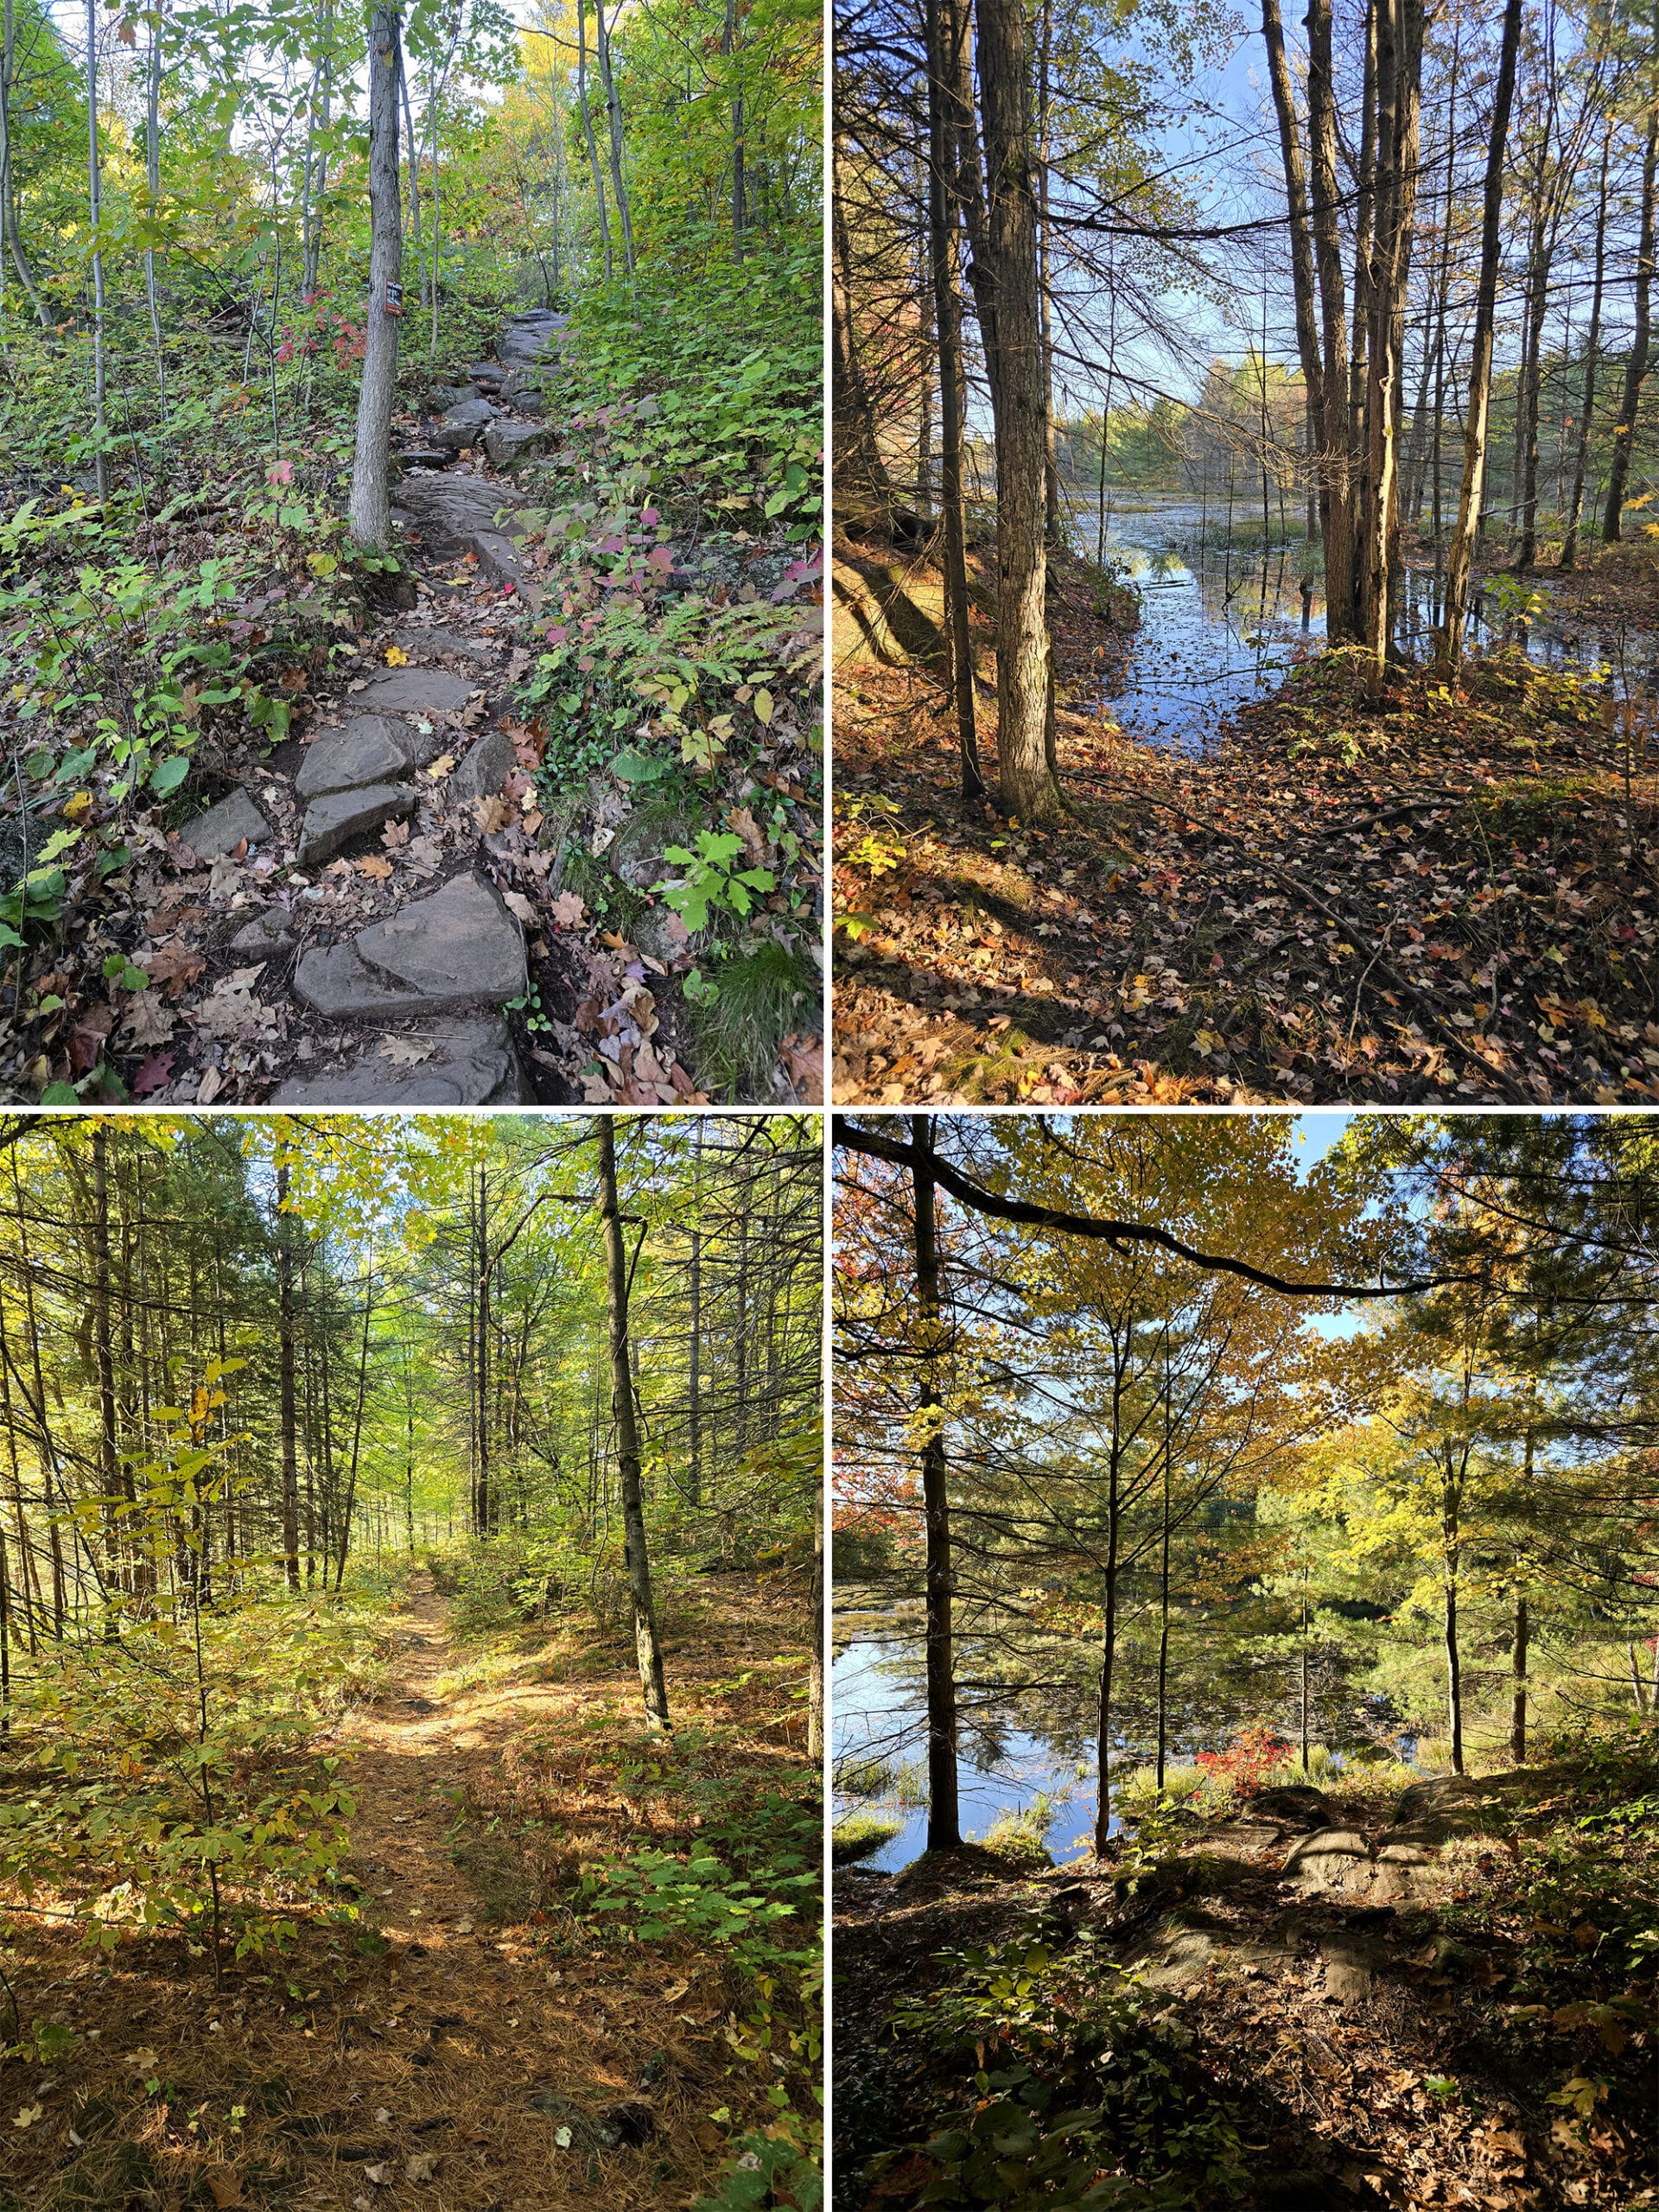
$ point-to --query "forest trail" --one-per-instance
(379, 974)
(1341, 1978)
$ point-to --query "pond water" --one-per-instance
(880, 1710)
(1224, 619)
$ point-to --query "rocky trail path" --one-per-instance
(379, 972)
(1300, 1955)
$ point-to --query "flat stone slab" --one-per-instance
(471, 1062)
(460, 944)
(448, 508)
(498, 555)
(369, 750)
(424, 645)
(508, 443)
(414, 691)
(223, 827)
(338, 817)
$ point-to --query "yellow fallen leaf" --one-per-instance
(443, 765)
(72, 809)
(396, 657)
(28, 2116)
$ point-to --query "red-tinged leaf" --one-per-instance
(155, 1074)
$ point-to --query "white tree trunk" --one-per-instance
(94, 209)
(369, 514)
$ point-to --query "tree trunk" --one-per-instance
(588, 132)
(285, 1385)
(1006, 280)
(1518, 1674)
(1460, 561)
(613, 116)
(1399, 77)
(11, 245)
(1335, 512)
(1636, 368)
(651, 1684)
(95, 217)
(1592, 346)
(1301, 249)
(944, 1815)
(483, 1497)
(945, 29)
(1452, 1540)
(739, 211)
(369, 515)
(109, 1459)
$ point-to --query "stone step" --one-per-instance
(459, 948)
(469, 1061)
(508, 443)
(338, 817)
(370, 749)
(413, 691)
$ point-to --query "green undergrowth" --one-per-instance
(1082, 2094)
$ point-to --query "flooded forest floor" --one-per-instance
(1440, 899)
(1413, 1999)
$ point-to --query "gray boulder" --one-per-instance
(459, 948)
(507, 444)
(498, 555)
(269, 932)
(485, 768)
(465, 425)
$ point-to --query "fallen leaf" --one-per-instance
(227, 2186)
(755, 844)
(441, 765)
(490, 815)
(568, 910)
(72, 809)
(27, 2116)
(149, 1020)
(173, 965)
(374, 866)
(380, 2175)
(396, 657)
(405, 1052)
(212, 1084)
(515, 903)
(395, 834)
(422, 2166)
(155, 1074)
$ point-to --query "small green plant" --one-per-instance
(860, 1835)
(711, 883)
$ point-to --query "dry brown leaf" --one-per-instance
(490, 815)
(212, 1084)
(227, 2186)
(422, 2166)
(395, 834)
(405, 1052)
(442, 766)
(754, 843)
(375, 867)
(173, 965)
(515, 903)
(568, 910)
(148, 1020)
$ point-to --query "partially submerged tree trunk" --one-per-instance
(369, 513)
(652, 1686)
(944, 1817)
(1460, 560)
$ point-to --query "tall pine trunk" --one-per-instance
(945, 31)
(1592, 350)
